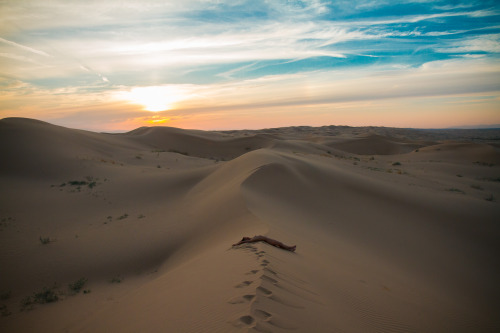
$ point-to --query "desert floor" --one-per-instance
(397, 230)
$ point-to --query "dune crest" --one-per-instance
(396, 230)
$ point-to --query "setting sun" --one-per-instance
(154, 98)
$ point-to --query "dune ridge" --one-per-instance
(393, 233)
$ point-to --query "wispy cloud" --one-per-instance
(24, 47)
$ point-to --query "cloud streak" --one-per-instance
(24, 48)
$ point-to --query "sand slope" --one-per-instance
(404, 239)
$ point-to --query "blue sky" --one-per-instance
(214, 64)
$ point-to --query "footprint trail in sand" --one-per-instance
(267, 290)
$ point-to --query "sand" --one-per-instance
(396, 230)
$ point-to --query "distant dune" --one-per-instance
(396, 230)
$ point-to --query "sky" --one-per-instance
(117, 65)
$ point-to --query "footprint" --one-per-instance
(261, 314)
(241, 299)
(252, 272)
(265, 291)
(247, 320)
(243, 284)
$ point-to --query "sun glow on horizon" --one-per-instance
(154, 98)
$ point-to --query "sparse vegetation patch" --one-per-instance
(5, 295)
(116, 279)
(45, 240)
(494, 179)
(47, 295)
(77, 286)
(4, 311)
(76, 185)
(484, 163)
(455, 190)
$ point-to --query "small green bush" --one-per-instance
(4, 311)
(5, 295)
(116, 279)
(455, 190)
(47, 295)
(77, 182)
(77, 286)
(45, 240)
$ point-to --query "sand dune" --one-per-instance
(393, 233)
(377, 145)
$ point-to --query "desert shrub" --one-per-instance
(484, 163)
(5, 295)
(77, 286)
(90, 182)
(396, 163)
(77, 182)
(494, 179)
(4, 311)
(44, 240)
(47, 295)
(455, 190)
(116, 279)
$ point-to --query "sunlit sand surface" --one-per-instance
(396, 230)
